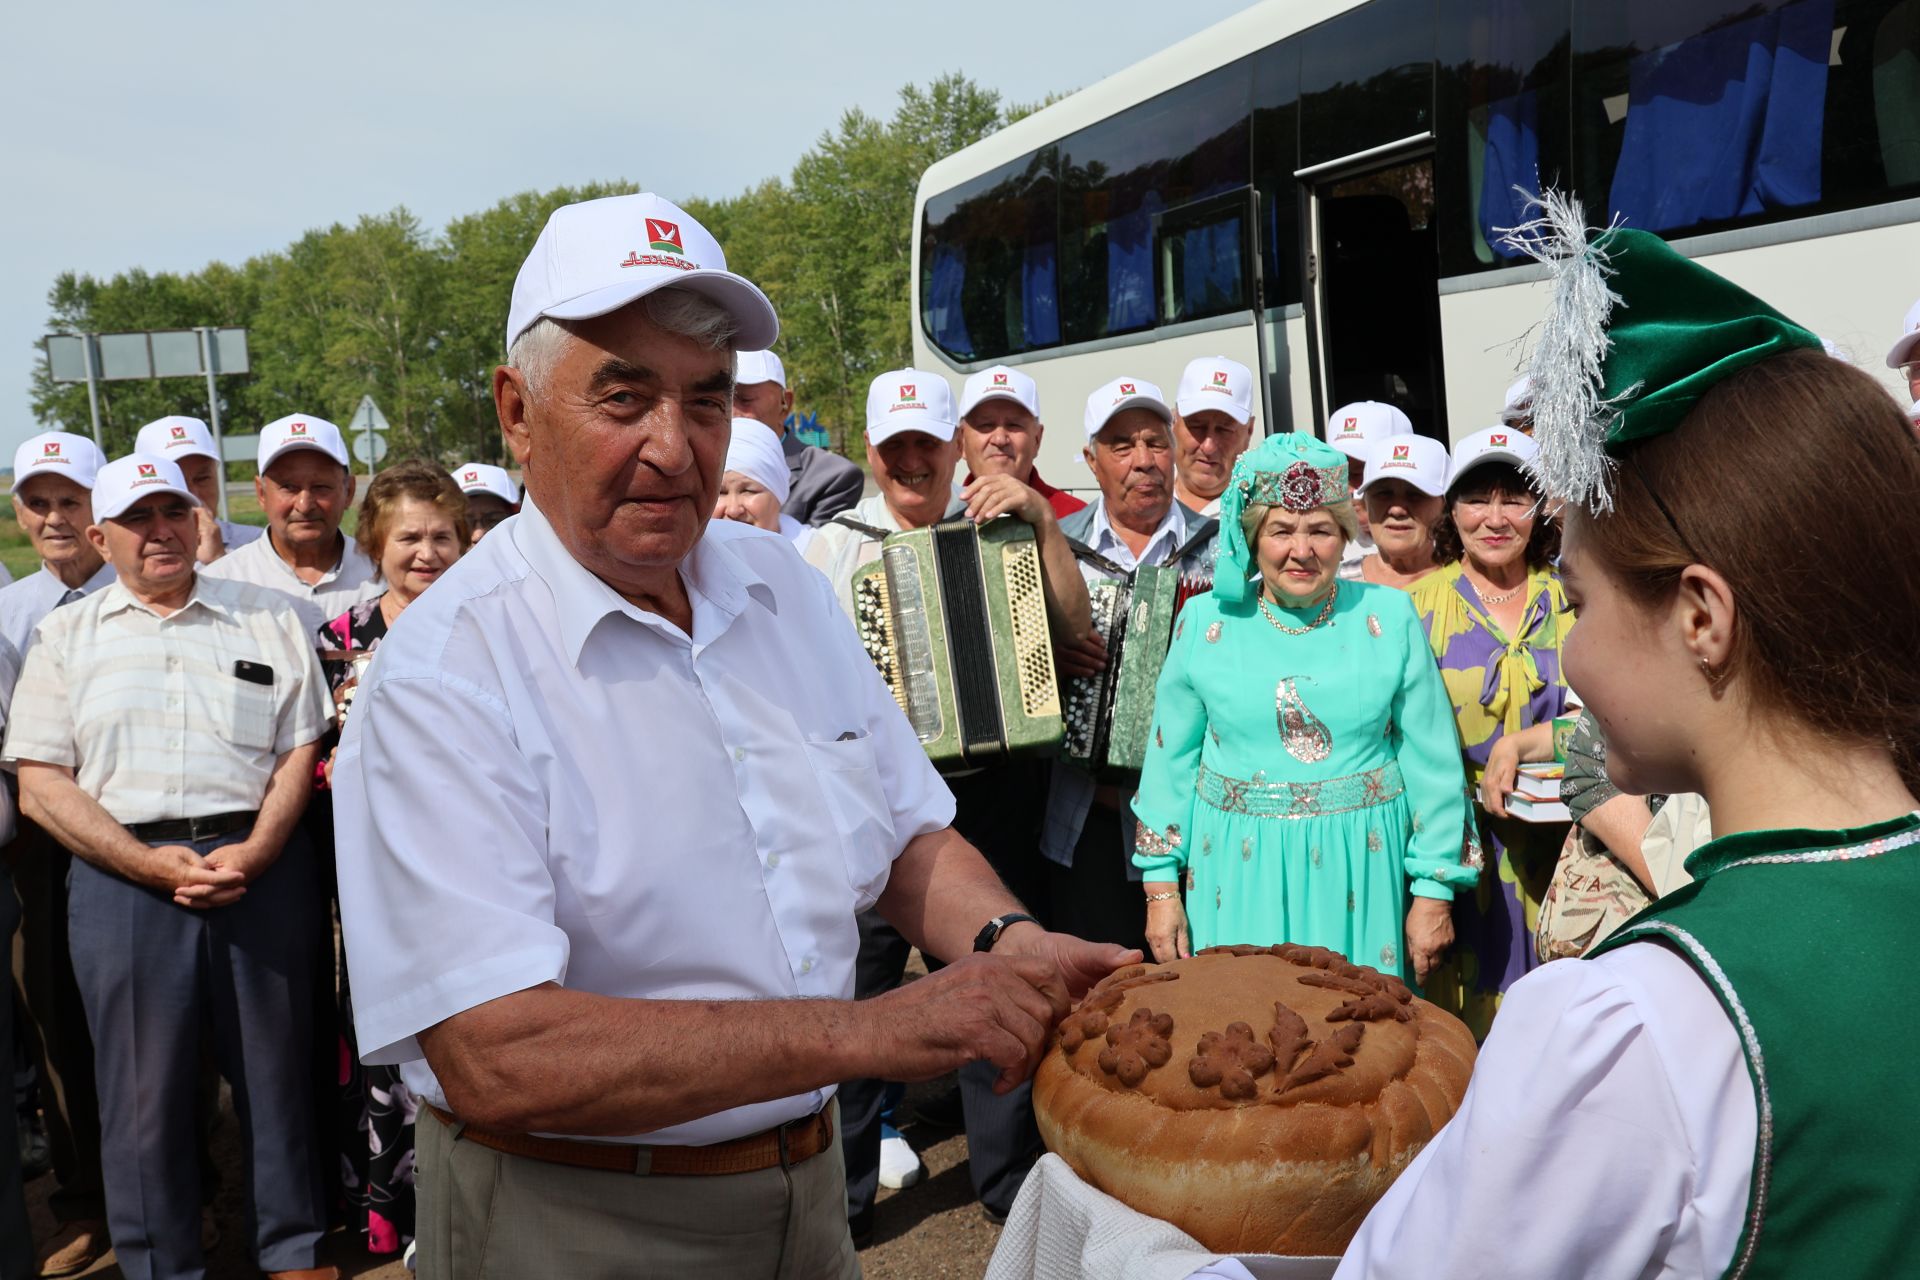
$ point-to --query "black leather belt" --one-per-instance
(188, 830)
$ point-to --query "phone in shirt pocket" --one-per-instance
(249, 706)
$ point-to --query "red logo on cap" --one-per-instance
(1497, 440)
(1400, 452)
(664, 235)
(999, 379)
(906, 391)
(472, 477)
(51, 449)
(297, 429)
(179, 433)
(1220, 379)
(1351, 425)
(1126, 388)
(146, 470)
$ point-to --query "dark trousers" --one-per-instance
(1096, 898)
(57, 1025)
(151, 975)
(16, 1237)
(999, 811)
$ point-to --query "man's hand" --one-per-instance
(1000, 1008)
(990, 496)
(1087, 658)
(193, 881)
(1081, 963)
(211, 545)
(1429, 934)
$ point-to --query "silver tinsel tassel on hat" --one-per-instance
(1570, 417)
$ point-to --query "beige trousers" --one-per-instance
(484, 1215)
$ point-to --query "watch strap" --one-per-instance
(991, 931)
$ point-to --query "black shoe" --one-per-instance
(942, 1111)
(36, 1156)
(993, 1215)
(860, 1226)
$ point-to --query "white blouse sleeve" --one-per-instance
(1608, 1132)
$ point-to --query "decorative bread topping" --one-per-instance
(1137, 1048)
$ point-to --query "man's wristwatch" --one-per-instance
(990, 934)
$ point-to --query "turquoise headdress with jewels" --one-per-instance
(1293, 471)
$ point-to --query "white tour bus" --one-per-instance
(1312, 187)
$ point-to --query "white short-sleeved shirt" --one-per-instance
(540, 782)
(158, 717)
(349, 582)
(24, 603)
(234, 535)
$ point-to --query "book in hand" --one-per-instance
(1536, 794)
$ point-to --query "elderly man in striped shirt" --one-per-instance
(165, 730)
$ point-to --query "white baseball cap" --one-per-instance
(999, 383)
(1215, 382)
(596, 256)
(484, 477)
(300, 431)
(1490, 444)
(750, 367)
(1354, 428)
(1518, 402)
(176, 436)
(1419, 460)
(125, 481)
(1835, 350)
(1122, 394)
(909, 400)
(57, 453)
(1909, 344)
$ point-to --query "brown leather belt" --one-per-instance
(789, 1143)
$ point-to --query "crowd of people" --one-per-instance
(580, 875)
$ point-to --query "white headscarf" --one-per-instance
(755, 453)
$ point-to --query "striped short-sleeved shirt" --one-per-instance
(174, 717)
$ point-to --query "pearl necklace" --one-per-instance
(1326, 611)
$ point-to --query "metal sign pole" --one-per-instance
(207, 348)
(93, 387)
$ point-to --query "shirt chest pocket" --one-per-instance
(245, 712)
(849, 779)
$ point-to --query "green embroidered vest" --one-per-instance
(1807, 937)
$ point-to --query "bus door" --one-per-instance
(1372, 284)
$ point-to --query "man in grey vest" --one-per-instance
(823, 484)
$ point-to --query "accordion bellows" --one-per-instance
(955, 618)
(1109, 715)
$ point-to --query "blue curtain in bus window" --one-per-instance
(1210, 267)
(944, 317)
(1728, 122)
(1512, 159)
(1130, 267)
(1040, 297)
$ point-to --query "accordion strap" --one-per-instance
(873, 531)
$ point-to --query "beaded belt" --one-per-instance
(1259, 798)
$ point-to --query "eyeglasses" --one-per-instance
(1511, 508)
(488, 520)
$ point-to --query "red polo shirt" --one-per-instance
(1063, 503)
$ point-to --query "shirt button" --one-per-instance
(740, 755)
(773, 860)
(806, 966)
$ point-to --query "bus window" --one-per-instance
(1184, 145)
(1693, 115)
(1366, 79)
(1276, 154)
(989, 279)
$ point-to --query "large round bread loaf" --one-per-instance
(1259, 1098)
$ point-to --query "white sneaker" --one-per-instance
(899, 1164)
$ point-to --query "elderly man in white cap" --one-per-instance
(1001, 431)
(165, 730)
(53, 502)
(189, 443)
(613, 958)
(755, 486)
(1904, 355)
(1212, 426)
(1354, 429)
(491, 495)
(820, 484)
(305, 487)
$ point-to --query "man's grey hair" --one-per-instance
(682, 311)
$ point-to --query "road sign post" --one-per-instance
(368, 427)
(209, 357)
(94, 358)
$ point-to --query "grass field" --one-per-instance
(16, 553)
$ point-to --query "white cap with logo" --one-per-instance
(909, 400)
(596, 256)
(758, 366)
(125, 481)
(484, 477)
(1120, 395)
(1215, 382)
(1490, 444)
(999, 383)
(1907, 349)
(1355, 428)
(1518, 402)
(176, 436)
(300, 431)
(1419, 460)
(57, 453)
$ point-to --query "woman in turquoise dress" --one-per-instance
(1304, 778)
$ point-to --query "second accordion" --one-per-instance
(955, 618)
(1110, 714)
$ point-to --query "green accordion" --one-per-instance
(955, 618)
(1110, 715)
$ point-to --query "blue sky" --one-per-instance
(168, 136)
